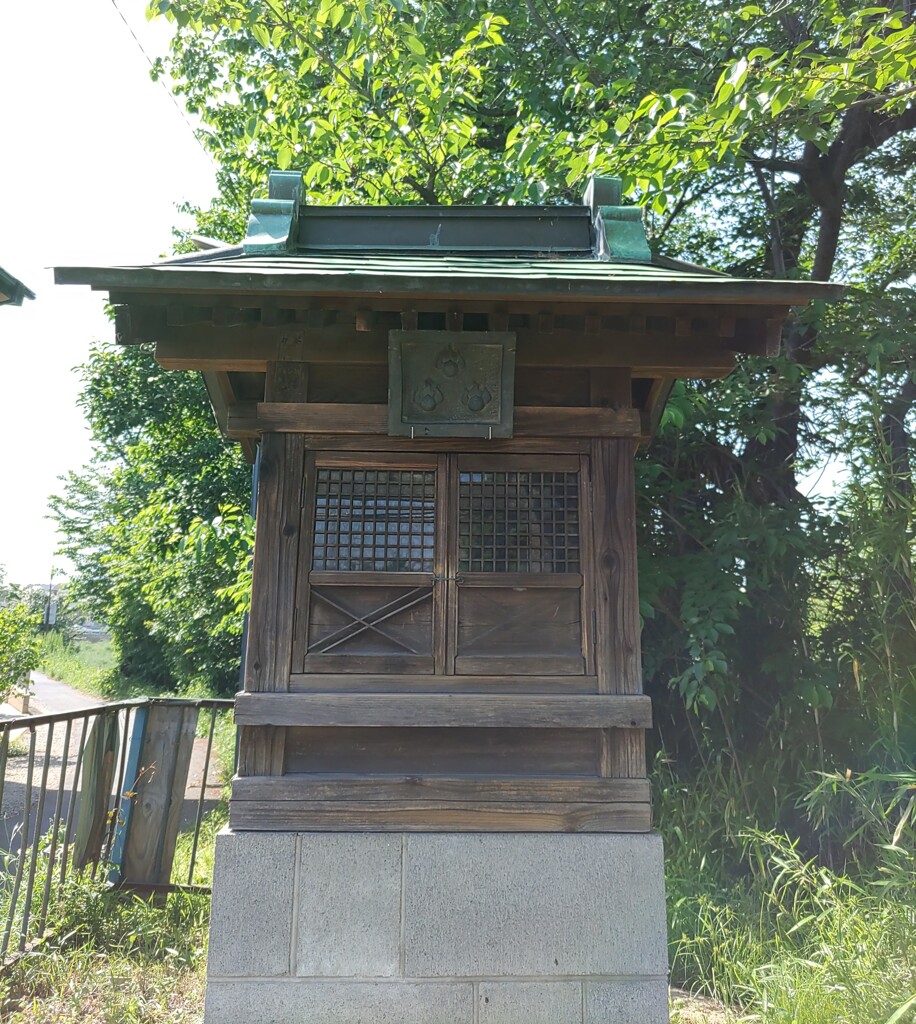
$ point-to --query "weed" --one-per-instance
(115, 959)
(86, 666)
(773, 932)
(206, 844)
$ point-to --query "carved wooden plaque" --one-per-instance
(451, 383)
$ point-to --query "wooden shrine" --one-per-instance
(445, 404)
(441, 813)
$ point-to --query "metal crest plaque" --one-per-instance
(451, 383)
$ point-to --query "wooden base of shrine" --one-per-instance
(446, 928)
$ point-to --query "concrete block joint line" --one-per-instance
(340, 928)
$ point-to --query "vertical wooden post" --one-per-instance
(95, 788)
(165, 756)
(268, 660)
(618, 654)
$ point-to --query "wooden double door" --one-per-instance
(426, 570)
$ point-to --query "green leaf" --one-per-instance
(897, 1016)
(261, 35)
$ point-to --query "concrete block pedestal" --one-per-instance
(459, 928)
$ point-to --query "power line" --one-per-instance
(169, 93)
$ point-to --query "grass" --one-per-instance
(773, 933)
(787, 943)
(86, 665)
(119, 960)
(116, 957)
(770, 934)
(799, 945)
(206, 844)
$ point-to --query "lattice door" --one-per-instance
(466, 565)
(371, 580)
(518, 604)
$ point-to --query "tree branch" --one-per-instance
(776, 249)
(556, 36)
(772, 163)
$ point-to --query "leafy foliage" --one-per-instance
(18, 649)
(779, 934)
(197, 600)
(160, 471)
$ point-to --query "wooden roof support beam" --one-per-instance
(250, 349)
(248, 419)
(655, 404)
(222, 399)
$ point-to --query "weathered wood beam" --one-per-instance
(396, 682)
(466, 445)
(249, 419)
(435, 788)
(761, 337)
(449, 816)
(618, 658)
(611, 387)
(307, 309)
(445, 710)
(247, 349)
(268, 651)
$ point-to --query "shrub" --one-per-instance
(18, 649)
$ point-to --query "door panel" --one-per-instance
(519, 587)
(506, 629)
(373, 561)
(393, 624)
(449, 564)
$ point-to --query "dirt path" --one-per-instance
(688, 1009)
(50, 697)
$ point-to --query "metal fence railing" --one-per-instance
(106, 788)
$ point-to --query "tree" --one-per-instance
(18, 649)
(763, 140)
(161, 473)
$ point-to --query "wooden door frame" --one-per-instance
(306, 575)
(445, 584)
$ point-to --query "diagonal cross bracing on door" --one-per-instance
(360, 623)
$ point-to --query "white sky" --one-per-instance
(93, 158)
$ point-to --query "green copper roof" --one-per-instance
(334, 273)
(12, 290)
(593, 252)
(598, 229)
